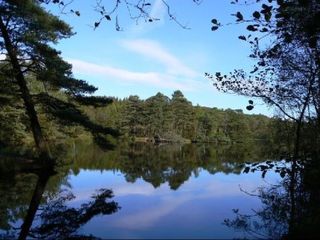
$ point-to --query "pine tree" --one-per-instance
(27, 33)
(155, 111)
(184, 119)
(132, 117)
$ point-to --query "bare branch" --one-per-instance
(172, 16)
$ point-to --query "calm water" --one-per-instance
(141, 191)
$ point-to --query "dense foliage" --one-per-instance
(176, 119)
(33, 75)
(172, 119)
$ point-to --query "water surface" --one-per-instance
(167, 191)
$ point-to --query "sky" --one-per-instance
(145, 58)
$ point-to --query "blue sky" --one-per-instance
(146, 58)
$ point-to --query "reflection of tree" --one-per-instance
(290, 209)
(59, 221)
(13, 206)
(35, 202)
(56, 220)
(169, 163)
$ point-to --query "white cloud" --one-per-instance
(156, 79)
(175, 74)
(146, 219)
(154, 50)
(167, 203)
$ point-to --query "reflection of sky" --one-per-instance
(195, 210)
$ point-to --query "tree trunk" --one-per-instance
(41, 144)
(34, 204)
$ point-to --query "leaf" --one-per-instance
(239, 16)
(96, 24)
(267, 16)
(214, 28)
(214, 21)
(249, 107)
(242, 38)
(251, 28)
(256, 15)
(108, 17)
(77, 13)
(250, 102)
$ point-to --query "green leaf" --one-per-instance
(267, 16)
(108, 17)
(242, 38)
(256, 15)
(250, 102)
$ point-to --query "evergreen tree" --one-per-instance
(156, 113)
(27, 33)
(184, 121)
(132, 117)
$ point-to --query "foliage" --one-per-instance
(175, 119)
(286, 68)
(290, 209)
(284, 38)
(35, 76)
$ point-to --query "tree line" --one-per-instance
(175, 119)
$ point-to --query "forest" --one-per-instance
(173, 120)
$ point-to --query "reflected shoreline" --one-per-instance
(170, 168)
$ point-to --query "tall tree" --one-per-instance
(132, 117)
(184, 121)
(156, 112)
(27, 33)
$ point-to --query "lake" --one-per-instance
(139, 191)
